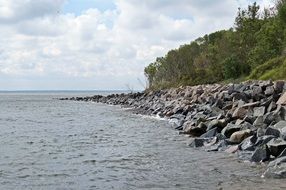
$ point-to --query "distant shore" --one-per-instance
(247, 119)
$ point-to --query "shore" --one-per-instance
(247, 119)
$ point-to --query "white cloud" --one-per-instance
(102, 49)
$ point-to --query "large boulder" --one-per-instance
(260, 154)
(239, 136)
(248, 143)
(276, 146)
(276, 168)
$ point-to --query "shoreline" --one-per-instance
(247, 119)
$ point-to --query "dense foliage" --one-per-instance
(253, 49)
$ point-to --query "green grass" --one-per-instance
(273, 69)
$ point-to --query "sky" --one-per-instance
(99, 44)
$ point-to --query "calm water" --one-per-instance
(51, 144)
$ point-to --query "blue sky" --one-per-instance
(99, 44)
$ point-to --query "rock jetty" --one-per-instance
(247, 119)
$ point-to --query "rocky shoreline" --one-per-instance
(247, 119)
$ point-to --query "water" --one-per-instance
(50, 144)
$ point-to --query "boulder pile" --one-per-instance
(246, 118)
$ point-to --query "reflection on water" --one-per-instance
(51, 144)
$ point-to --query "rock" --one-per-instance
(276, 168)
(282, 99)
(239, 113)
(230, 129)
(195, 131)
(261, 154)
(271, 118)
(258, 111)
(263, 140)
(248, 144)
(272, 131)
(283, 133)
(259, 122)
(269, 90)
(232, 149)
(256, 92)
(283, 153)
(239, 136)
(197, 142)
(210, 133)
(219, 124)
(279, 86)
(276, 146)
(244, 155)
(280, 125)
(271, 107)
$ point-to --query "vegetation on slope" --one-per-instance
(253, 49)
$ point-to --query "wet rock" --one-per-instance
(230, 129)
(248, 144)
(276, 146)
(244, 155)
(210, 133)
(194, 130)
(239, 136)
(197, 142)
(232, 149)
(260, 154)
(276, 168)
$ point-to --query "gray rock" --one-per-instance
(271, 118)
(258, 111)
(210, 133)
(276, 168)
(248, 144)
(269, 90)
(263, 140)
(197, 142)
(271, 107)
(279, 86)
(276, 146)
(244, 155)
(230, 129)
(272, 131)
(259, 122)
(261, 154)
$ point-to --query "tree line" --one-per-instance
(253, 49)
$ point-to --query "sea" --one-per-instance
(49, 144)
